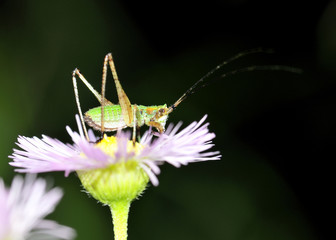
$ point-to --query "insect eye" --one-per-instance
(161, 110)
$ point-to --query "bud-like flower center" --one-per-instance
(121, 181)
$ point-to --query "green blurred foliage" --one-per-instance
(242, 196)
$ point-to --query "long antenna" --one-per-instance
(191, 90)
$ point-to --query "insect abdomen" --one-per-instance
(113, 119)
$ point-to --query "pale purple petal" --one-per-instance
(186, 146)
(152, 177)
(25, 205)
(4, 213)
(121, 153)
(48, 154)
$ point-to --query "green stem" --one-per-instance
(119, 212)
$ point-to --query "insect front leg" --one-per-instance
(157, 125)
(154, 121)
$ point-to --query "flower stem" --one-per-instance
(119, 212)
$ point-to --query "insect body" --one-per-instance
(111, 117)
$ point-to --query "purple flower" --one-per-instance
(23, 207)
(177, 148)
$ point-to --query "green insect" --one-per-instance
(111, 117)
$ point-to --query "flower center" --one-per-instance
(109, 145)
(122, 181)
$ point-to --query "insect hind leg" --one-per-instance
(74, 81)
(87, 84)
(124, 102)
(92, 90)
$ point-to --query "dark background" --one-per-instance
(275, 129)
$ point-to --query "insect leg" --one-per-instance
(103, 94)
(74, 81)
(87, 84)
(138, 133)
(104, 101)
(125, 104)
(135, 108)
(157, 125)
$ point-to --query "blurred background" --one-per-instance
(275, 130)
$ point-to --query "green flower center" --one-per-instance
(122, 181)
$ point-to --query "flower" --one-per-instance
(23, 207)
(115, 170)
(48, 154)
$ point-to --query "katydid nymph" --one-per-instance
(112, 117)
